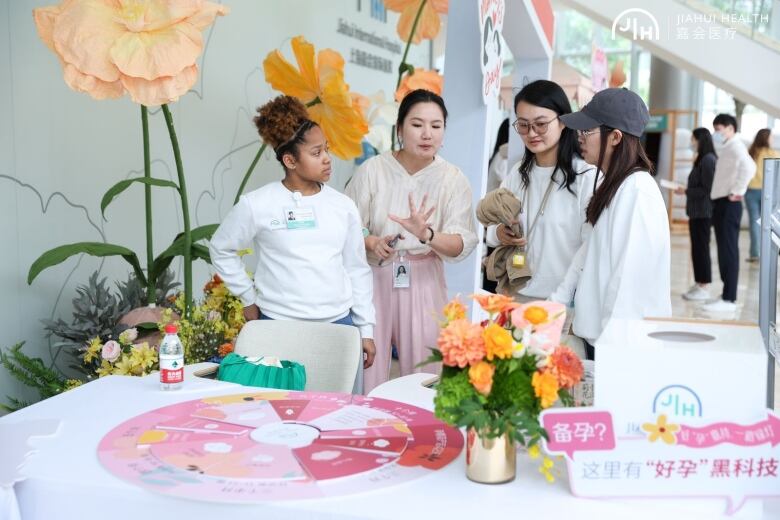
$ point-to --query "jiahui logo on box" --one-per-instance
(636, 24)
(677, 401)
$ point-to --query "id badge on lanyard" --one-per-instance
(300, 218)
(402, 272)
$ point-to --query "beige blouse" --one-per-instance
(381, 186)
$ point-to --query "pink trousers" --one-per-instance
(407, 318)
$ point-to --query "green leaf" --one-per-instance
(407, 68)
(146, 325)
(100, 249)
(121, 186)
(176, 248)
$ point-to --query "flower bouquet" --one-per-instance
(120, 356)
(498, 375)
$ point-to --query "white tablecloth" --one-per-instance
(66, 481)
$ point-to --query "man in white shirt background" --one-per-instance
(733, 172)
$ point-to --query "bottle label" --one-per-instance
(172, 370)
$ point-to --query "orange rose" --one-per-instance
(481, 377)
(498, 342)
(545, 387)
(493, 303)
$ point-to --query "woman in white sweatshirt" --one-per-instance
(307, 237)
(623, 271)
(554, 185)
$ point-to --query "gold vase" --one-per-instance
(490, 461)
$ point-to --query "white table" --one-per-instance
(66, 481)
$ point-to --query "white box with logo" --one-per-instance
(691, 371)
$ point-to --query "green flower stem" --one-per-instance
(249, 173)
(252, 166)
(409, 43)
(151, 283)
(185, 210)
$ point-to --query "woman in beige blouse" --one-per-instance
(416, 194)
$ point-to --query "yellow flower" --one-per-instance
(106, 369)
(319, 83)
(147, 48)
(70, 384)
(125, 366)
(498, 342)
(534, 451)
(421, 79)
(454, 310)
(545, 468)
(661, 430)
(481, 377)
(545, 387)
(144, 356)
(429, 24)
(93, 350)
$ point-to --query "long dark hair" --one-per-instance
(502, 137)
(549, 95)
(760, 142)
(628, 157)
(704, 144)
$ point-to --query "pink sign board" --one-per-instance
(578, 430)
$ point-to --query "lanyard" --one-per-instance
(541, 207)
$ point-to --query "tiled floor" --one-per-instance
(682, 279)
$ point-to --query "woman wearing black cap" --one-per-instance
(623, 270)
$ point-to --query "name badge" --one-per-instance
(300, 218)
(518, 260)
(402, 274)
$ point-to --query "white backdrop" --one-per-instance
(60, 150)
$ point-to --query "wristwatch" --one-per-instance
(429, 240)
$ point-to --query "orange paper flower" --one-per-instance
(545, 387)
(147, 49)
(498, 342)
(425, 79)
(454, 310)
(565, 366)
(461, 344)
(481, 377)
(429, 24)
(493, 303)
(318, 81)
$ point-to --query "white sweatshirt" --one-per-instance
(317, 274)
(733, 170)
(560, 231)
(623, 271)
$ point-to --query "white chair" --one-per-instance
(332, 354)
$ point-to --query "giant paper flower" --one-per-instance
(318, 82)
(429, 24)
(381, 116)
(145, 48)
(421, 79)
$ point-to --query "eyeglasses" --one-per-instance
(585, 133)
(540, 127)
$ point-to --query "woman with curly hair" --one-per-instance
(307, 237)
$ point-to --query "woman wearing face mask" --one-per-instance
(554, 185)
(415, 193)
(624, 269)
(311, 263)
(698, 207)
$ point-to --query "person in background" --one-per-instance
(698, 207)
(554, 186)
(412, 191)
(497, 167)
(733, 172)
(311, 262)
(760, 149)
(624, 269)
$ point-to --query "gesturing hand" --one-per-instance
(417, 221)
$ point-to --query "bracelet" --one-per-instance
(430, 239)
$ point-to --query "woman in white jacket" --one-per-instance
(554, 185)
(623, 270)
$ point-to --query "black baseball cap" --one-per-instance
(617, 108)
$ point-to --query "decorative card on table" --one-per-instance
(277, 446)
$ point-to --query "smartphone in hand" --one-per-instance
(392, 245)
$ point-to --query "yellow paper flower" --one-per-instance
(661, 430)
(498, 342)
(424, 79)
(429, 24)
(318, 81)
(481, 377)
(545, 387)
(146, 48)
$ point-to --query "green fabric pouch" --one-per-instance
(238, 369)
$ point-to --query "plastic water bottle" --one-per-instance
(171, 359)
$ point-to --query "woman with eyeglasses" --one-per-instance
(624, 270)
(554, 185)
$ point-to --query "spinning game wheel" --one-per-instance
(278, 445)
